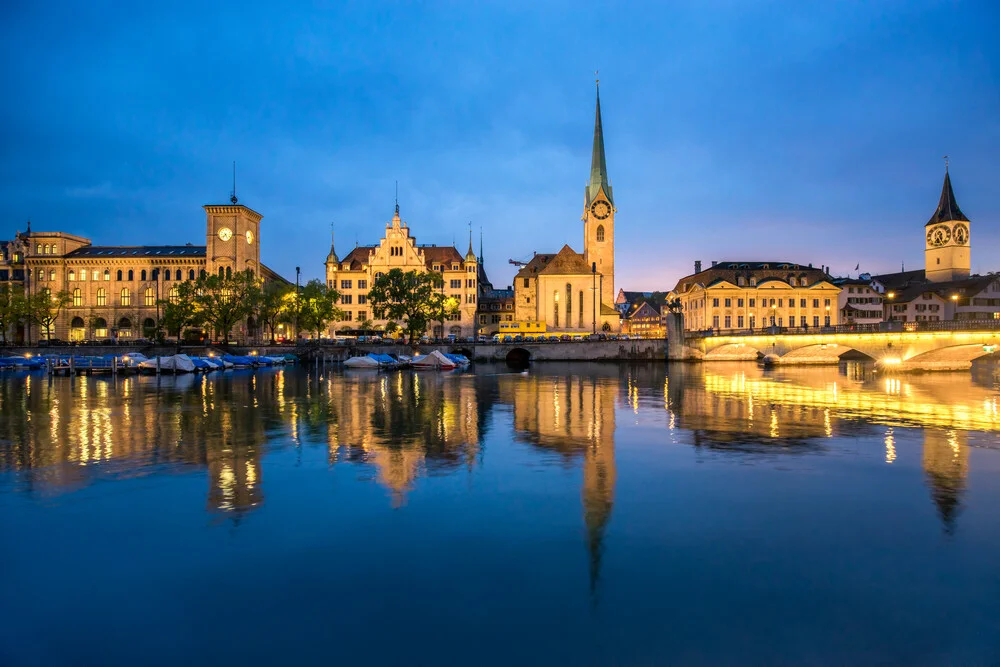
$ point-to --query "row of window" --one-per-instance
(347, 299)
(727, 321)
(568, 306)
(764, 302)
(73, 276)
(125, 297)
(494, 319)
(346, 284)
(864, 299)
(860, 290)
(45, 249)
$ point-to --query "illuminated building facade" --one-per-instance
(353, 276)
(756, 295)
(571, 291)
(114, 290)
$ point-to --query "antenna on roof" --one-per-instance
(232, 195)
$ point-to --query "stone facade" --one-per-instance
(755, 295)
(114, 290)
(353, 276)
(572, 291)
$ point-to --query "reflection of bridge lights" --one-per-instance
(890, 446)
(774, 423)
(892, 386)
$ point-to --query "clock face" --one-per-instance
(961, 234)
(249, 237)
(601, 209)
(939, 235)
(225, 233)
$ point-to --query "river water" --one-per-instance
(571, 514)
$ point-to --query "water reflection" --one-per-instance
(60, 434)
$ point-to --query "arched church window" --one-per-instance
(600, 233)
(569, 304)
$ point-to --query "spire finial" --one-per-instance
(480, 244)
(945, 158)
(232, 195)
(597, 80)
(397, 197)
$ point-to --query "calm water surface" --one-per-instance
(584, 514)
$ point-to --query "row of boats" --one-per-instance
(135, 361)
(182, 363)
(432, 361)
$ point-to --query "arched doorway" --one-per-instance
(124, 328)
(455, 331)
(77, 329)
(100, 327)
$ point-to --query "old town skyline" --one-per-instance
(515, 169)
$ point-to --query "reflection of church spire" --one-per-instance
(599, 482)
(946, 464)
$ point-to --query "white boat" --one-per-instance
(361, 362)
(434, 360)
(178, 363)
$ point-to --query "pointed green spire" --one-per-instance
(598, 163)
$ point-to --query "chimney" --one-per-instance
(697, 266)
(714, 263)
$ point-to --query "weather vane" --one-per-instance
(597, 80)
(946, 163)
(232, 195)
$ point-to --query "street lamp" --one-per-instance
(890, 296)
(593, 290)
(297, 269)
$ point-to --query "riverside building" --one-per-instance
(754, 295)
(115, 290)
(353, 276)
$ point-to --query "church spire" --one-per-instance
(471, 254)
(598, 163)
(947, 209)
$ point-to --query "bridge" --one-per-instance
(915, 346)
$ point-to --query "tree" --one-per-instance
(222, 302)
(316, 306)
(408, 296)
(366, 326)
(391, 327)
(13, 308)
(45, 306)
(273, 303)
(442, 308)
(180, 311)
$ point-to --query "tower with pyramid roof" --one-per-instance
(947, 252)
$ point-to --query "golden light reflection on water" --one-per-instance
(398, 428)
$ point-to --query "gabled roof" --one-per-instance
(643, 309)
(947, 209)
(566, 262)
(445, 255)
(536, 264)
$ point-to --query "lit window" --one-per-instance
(149, 297)
(102, 297)
(174, 295)
(77, 297)
(107, 274)
(126, 297)
(71, 276)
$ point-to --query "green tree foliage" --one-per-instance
(223, 302)
(410, 297)
(180, 311)
(316, 306)
(44, 307)
(442, 307)
(273, 303)
(13, 308)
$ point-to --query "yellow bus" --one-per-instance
(523, 328)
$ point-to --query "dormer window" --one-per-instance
(753, 282)
(455, 267)
(741, 281)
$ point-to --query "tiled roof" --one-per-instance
(731, 271)
(566, 262)
(536, 264)
(138, 251)
(446, 255)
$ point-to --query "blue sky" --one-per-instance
(811, 132)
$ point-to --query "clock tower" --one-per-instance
(946, 234)
(599, 215)
(232, 239)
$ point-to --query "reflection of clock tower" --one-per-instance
(947, 254)
(232, 239)
(599, 215)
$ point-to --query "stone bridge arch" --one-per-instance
(518, 357)
(952, 358)
(734, 352)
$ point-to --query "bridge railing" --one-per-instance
(878, 327)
